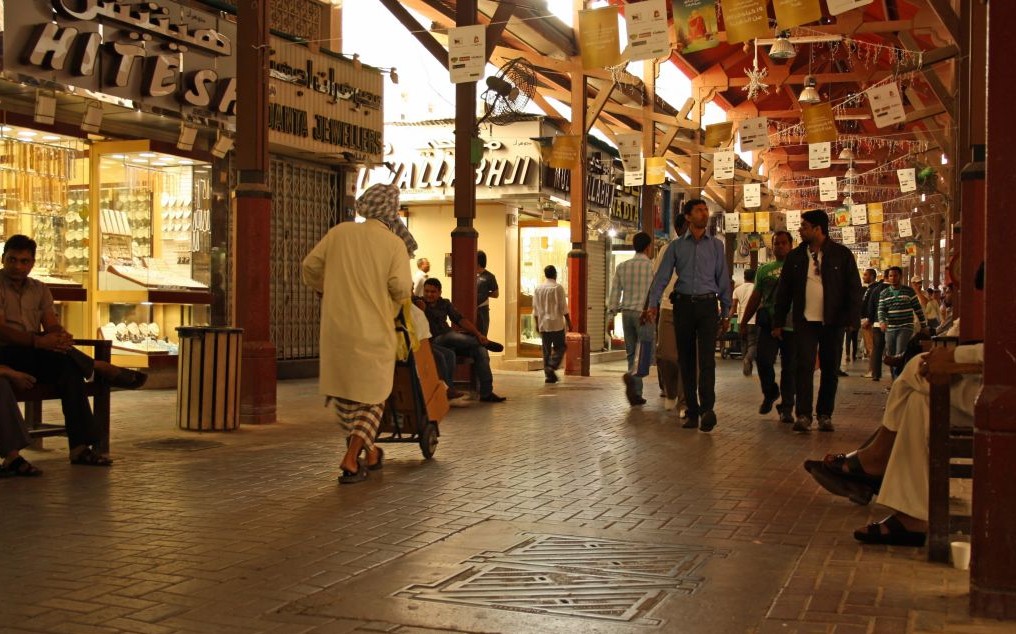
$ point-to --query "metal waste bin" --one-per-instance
(208, 378)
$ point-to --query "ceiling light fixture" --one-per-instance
(848, 200)
(851, 173)
(810, 95)
(782, 48)
(847, 154)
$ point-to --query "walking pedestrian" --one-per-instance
(870, 313)
(550, 310)
(628, 292)
(746, 326)
(897, 308)
(486, 290)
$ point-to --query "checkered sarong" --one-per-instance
(359, 419)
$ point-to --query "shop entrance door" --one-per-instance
(540, 244)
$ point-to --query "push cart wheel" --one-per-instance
(428, 440)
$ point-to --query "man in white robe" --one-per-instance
(363, 274)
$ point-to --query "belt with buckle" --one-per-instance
(697, 298)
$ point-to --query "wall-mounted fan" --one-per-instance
(508, 92)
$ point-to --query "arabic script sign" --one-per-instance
(160, 54)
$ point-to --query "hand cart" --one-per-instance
(418, 400)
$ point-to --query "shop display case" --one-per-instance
(540, 244)
(152, 232)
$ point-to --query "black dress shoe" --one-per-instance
(708, 420)
(493, 398)
(767, 404)
(691, 423)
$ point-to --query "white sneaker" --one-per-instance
(669, 403)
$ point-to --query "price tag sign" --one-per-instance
(849, 236)
(827, 189)
(908, 179)
(723, 165)
(731, 223)
(466, 53)
(753, 195)
(904, 227)
(819, 155)
(859, 214)
(753, 134)
(648, 34)
(793, 220)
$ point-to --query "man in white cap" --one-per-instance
(363, 274)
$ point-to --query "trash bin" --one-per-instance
(208, 378)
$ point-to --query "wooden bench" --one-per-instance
(97, 389)
(950, 455)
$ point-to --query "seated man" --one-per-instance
(33, 341)
(895, 463)
(13, 432)
(439, 310)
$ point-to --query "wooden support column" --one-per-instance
(647, 219)
(252, 215)
(464, 236)
(936, 252)
(577, 358)
(993, 562)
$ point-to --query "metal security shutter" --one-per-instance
(305, 205)
(597, 254)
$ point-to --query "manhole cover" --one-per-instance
(574, 576)
(178, 444)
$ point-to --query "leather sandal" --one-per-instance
(21, 467)
(380, 460)
(895, 534)
(839, 483)
(90, 458)
(352, 477)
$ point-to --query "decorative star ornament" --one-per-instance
(756, 77)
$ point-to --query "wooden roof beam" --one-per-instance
(943, 9)
(418, 31)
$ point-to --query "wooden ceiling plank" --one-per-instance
(596, 107)
(943, 9)
(417, 30)
(497, 25)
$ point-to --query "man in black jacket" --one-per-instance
(820, 280)
(869, 319)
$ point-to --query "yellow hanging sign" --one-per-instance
(874, 212)
(745, 20)
(599, 40)
(564, 153)
(656, 170)
(819, 123)
(897, 259)
(875, 231)
(747, 221)
(718, 134)
(762, 221)
(791, 13)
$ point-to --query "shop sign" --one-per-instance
(599, 181)
(161, 55)
(625, 206)
(323, 105)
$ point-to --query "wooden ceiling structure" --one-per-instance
(913, 42)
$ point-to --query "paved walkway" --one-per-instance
(252, 534)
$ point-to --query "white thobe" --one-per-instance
(363, 273)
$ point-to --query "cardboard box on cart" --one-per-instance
(433, 390)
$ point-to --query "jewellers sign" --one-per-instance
(323, 105)
(161, 55)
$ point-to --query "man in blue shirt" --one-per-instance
(700, 263)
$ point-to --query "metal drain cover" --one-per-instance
(178, 444)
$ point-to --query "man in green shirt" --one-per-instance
(760, 304)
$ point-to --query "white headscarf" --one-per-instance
(381, 202)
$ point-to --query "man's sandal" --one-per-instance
(21, 467)
(90, 458)
(352, 477)
(895, 534)
(380, 460)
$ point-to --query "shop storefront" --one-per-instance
(124, 227)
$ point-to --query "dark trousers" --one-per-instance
(553, 343)
(695, 325)
(444, 359)
(828, 340)
(877, 350)
(483, 319)
(768, 348)
(850, 344)
(65, 373)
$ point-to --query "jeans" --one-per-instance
(634, 333)
(553, 343)
(695, 326)
(750, 345)
(829, 342)
(444, 359)
(896, 340)
(467, 345)
(768, 348)
(483, 319)
(877, 350)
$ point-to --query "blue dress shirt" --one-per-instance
(701, 267)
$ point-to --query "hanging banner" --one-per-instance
(762, 221)
(467, 53)
(656, 170)
(793, 219)
(753, 134)
(859, 214)
(886, 105)
(599, 40)
(723, 165)
(747, 222)
(819, 155)
(791, 13)
(753, 195)
(564, 153)
(696, 25)
(908, 179)
(648, 35)
(896, 259)
(827, 189)
(635, 178)
(849, 235)
(819, 123)
(875, 212)
(841, 217)
(837, 7)
(887, 249)
(904, 228)
(745, 20)
(875, 232)
(718, 134)
(910, 249)
(629, 145)
(731, 223)
(873, 250)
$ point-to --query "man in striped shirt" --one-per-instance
(628, 294)
(897, 306)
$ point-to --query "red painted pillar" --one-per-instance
(993, 562)
(252, 215)
(464, 236)
(577, 358)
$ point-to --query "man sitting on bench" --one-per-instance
(474, 344)
(33, 341)
(895, 463)
(13, 432)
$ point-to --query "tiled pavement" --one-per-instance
(235, 537)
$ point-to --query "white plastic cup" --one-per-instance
(960, 555)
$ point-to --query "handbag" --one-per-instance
(645, 352)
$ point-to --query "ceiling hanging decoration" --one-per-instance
(756, 79)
